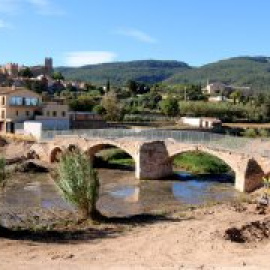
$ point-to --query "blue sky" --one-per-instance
(78, 32)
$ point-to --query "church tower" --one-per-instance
(48, 66)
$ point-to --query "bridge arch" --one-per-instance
(237, 165)
(93, 149)
(223, 162)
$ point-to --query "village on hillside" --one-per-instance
(36, 99)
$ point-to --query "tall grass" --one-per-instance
(79, 183)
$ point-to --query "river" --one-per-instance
(121, 194)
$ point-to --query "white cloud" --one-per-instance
(137, 34)
(44, 7)
(83, 58)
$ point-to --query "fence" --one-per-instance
(219, 141)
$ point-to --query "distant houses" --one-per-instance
(220, 92)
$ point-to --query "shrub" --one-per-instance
(3, 175)
(79, 183)
(170, 106)
(250, 133)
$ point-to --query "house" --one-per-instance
(17, 105)
(217, 99)
(202, 122)
(217, 88)
(87, 120)
(221, 89)
(54, 116)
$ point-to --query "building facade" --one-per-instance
(54, 116)
(17, 105)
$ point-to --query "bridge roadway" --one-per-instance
(153, 155)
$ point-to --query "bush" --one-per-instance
(170, 107)
(3, 175)
(250, 133)
(79, 183)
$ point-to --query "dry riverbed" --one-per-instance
(194, 239)
(225, 236)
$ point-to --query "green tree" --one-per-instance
(236, 96)
(58, 76)
(26, 73)
(82, 103)
(132, 86)
(170, 107)
(113, 107)
(99, 109)
(79, 183)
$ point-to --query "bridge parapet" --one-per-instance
(220, 141)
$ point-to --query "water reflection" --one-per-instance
(124, 196)
(126, 193)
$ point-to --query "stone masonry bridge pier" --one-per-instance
(153, 158)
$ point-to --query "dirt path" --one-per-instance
(196, 243)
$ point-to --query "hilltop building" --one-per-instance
(12, 70)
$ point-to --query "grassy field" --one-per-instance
(116, 156)
(197, 162)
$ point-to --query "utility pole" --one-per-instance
(185, 93)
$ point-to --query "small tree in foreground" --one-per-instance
(79, 183)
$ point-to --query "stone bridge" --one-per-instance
(153, 159)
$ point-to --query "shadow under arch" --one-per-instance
(101, 154)
(55, 154)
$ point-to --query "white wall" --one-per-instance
(192, 121)
(33, 128)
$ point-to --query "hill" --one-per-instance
(240, 71)
(147, 71)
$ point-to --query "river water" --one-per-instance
(121, 194)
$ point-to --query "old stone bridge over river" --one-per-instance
(154, 150)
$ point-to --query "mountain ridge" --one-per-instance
(251, 71)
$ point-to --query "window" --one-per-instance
(3, 114)
(17, 113)
(48, 113)
(64, 114)
(3, 101)
(16, 101)
(27, 113)
(31, 101)
(26, 101)
(54, 113)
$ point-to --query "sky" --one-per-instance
(81, 32)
